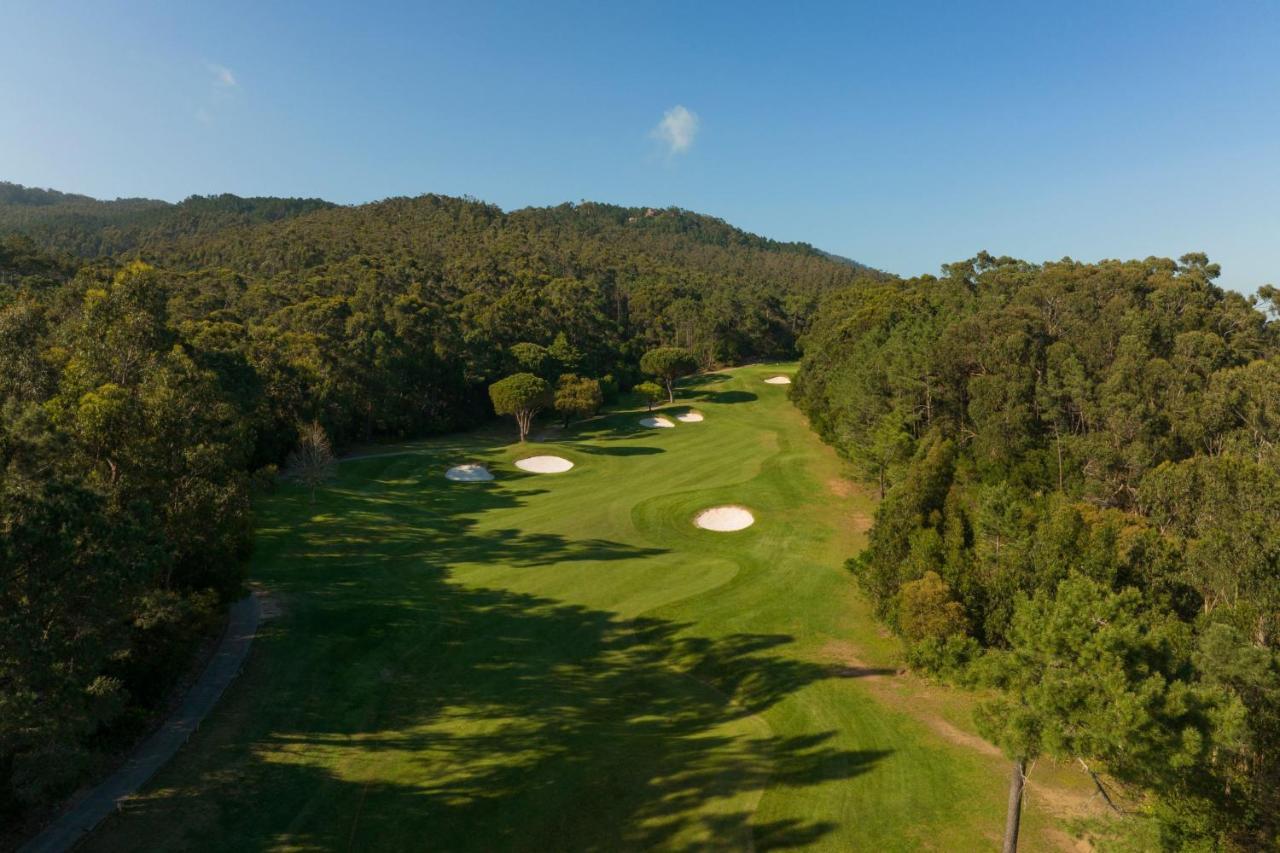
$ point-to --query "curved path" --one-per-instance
(152, 754)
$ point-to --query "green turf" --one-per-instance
(564, 662)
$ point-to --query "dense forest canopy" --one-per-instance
(1080, 466)
(158, 361)
(86, 227)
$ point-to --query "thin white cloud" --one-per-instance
(222, 76)
(222, 90)
(677, 129)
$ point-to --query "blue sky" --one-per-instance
(904, 136)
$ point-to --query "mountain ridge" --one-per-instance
(87, 227)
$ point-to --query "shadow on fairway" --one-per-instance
(393, 707)
(695, 389)
(619, 451)
(862, 671)
(620, 427)
(724, 397)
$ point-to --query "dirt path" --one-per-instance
(87, 811)
(892, 688)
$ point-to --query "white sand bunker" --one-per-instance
(469, 473)
(654, 423)
(725, 519)
(544, 464)
(689, 417)
(779, 380)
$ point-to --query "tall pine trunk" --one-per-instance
(1015, 806)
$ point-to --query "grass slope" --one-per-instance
(563, 662)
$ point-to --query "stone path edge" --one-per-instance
(89, 810)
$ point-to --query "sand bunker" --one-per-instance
(779, 380)
(689, 417)
(725, 519)
(654, 423)
(544, 464)
(469, 473)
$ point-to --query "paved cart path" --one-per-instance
(152, 754)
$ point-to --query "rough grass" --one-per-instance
(564, 662)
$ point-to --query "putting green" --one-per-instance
(568, 663)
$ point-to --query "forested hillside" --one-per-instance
(87, 227)
(1079, 465)
(157, 361)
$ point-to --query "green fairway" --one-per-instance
(564, 662)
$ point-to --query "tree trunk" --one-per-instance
(671, 394)
(1057, 440)
(1015, 807)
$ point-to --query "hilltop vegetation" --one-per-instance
(1079, 465)
(86, 227)
(157, 360)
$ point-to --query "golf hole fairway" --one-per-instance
(469, 473)
(724, 519)
(544, 464)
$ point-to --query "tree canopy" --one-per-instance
(577, 397)
(522, 395)
(668, 364)
(650, 392)
(1078, 464)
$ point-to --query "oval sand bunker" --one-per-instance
(470, 473)
(654, 423)
(544, 464)
(779, 380)
(724, 519)
(690, 417)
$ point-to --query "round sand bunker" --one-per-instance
(469, 473)
(655, 423)
(690, 417)
(779, 380)
(544, 464)
(725, 519)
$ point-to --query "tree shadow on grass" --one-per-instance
(695, 389)
(395, 706)
(725, 397)
(623, 426)
(642, 450)
(844, 671)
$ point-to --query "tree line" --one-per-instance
(1079, 471)
(159, 362)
